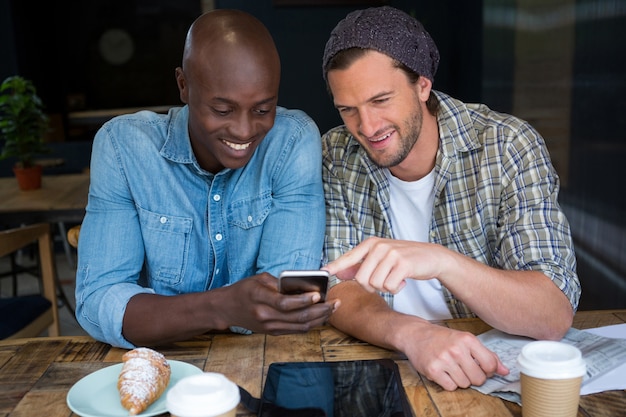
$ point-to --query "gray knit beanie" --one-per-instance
(389, 31)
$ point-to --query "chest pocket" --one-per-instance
(166, 242)
(246, 214)
(246, 219)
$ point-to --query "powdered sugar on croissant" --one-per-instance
(144, 376)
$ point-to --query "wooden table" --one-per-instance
(36, 374)
(61, 198)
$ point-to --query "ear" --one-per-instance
(182, 85)
(424, 87)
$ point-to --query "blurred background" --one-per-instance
(560, 64)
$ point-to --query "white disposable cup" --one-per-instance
(551, 374)
(208, 394)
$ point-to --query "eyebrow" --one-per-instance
(259, 103)
(369, 100)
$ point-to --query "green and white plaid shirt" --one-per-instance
(495, 197)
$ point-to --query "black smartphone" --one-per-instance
(365, 388)
(298, 282)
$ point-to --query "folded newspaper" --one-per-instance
(603, 355)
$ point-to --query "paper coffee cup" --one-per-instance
(551, 374)
(203, 395)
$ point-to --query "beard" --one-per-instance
(408, 135)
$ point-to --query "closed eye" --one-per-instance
(262, 112)
(221, 112)
(346, 110)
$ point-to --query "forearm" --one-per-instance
(152, 319)
(524, 303)
(367, 316)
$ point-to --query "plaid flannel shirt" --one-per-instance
(495, 197)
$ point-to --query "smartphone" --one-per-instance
(298, 282)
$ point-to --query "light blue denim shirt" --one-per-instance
(158, 223)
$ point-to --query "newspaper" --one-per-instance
(602, 355)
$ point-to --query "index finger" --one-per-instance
(489, 362)
(348, 260)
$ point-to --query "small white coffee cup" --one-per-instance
(551, 374)
(208, 394)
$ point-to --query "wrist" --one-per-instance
(404, 330)
(212, 311)
(449, 264)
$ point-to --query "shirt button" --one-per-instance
(163, 220)
(249, 218)
(433, 234)
(218, 236)
(217, 197)
(217, 271)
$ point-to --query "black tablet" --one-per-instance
(334, 389)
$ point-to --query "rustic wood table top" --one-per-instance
(36, 374)
(60, 198)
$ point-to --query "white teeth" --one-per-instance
(237, 146)
(381, 139)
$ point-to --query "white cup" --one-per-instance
(208, 394)
(551, 375)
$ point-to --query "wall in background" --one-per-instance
(64, 46)
(557, 64)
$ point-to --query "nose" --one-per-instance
(242, 127)
(367, 123)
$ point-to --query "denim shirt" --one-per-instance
(158, 223)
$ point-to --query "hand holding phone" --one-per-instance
(298, 282)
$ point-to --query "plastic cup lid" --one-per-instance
(551, 360)
(202, 395)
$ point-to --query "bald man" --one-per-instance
(192, 214)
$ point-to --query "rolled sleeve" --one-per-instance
(103, 316)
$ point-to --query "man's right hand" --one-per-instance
(254, 303)
(451, 358)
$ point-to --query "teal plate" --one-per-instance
(96, 395)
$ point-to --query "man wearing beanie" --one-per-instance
(435, 208)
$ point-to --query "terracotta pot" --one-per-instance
(28, 178)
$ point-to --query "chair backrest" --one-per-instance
(72, 235)
(14, 239)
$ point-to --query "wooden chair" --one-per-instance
(72, 235)
(29, 316)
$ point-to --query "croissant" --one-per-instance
(144, 376)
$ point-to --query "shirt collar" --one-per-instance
(456, 129)
(177, 146)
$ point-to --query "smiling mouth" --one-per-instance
(381, 138)
(237, 146)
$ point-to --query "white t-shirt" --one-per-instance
(411, 211)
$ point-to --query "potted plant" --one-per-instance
(23, 124)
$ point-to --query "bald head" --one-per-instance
(222, 31)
